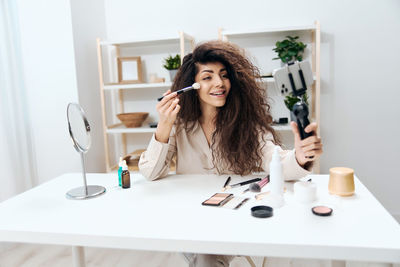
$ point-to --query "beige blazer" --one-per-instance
(194, 156)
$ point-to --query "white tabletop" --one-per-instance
(167, 215)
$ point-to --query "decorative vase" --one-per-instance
(172, 74)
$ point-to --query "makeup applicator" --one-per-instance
(256, 187)
(181, 91)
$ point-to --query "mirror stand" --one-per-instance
(85, 191)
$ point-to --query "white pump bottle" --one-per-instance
(275, 172)
(276, 180)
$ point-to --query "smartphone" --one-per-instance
(218, 199)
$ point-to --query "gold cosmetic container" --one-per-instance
(341, 181)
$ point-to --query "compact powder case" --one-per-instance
(262, 211)
(322, 210)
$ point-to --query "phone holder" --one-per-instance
(296, 77)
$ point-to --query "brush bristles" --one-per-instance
(226, 188)
(196, 86)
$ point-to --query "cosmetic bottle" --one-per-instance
(275, 169)
(125, 176)
(120, 172)
(276, 180)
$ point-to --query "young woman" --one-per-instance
(225, 126)
(222, 128)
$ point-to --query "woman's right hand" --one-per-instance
(167, 109)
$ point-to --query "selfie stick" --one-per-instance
(300, 109)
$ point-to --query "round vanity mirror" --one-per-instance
(79, 130)
(78, 127)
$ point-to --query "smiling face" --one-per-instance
(214, 85)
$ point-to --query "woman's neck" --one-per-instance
(208, 114)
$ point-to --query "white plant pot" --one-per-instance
(172, 74)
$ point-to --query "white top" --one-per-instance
(167, 215)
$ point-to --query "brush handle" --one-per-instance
(263, 182)
(181, 91)
(241, 203)
(256, 187)
(246, 182)
(227, 182)
(250, 181)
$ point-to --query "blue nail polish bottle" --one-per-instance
(120, 172)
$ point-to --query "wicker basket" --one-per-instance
(133, 119)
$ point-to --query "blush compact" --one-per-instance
(322, 210)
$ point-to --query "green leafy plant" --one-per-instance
(172, 63)
(290, 100)
(289, 49)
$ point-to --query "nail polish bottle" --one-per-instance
(125, 176)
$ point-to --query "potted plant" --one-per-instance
(172, 64)
(290, 100)
(290, 50)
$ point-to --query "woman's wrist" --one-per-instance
(307, 165)
(163, 131)
(301, 164)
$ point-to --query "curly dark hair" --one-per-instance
(244, 118)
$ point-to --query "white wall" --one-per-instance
(85, 31)
(359, 65)
(49, 72)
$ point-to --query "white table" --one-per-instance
(167, 215)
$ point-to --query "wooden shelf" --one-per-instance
(142, 42)
(136, 86)
(146, 129)
(167, 40)
(262, 32)
(282, 127)
(123, 129)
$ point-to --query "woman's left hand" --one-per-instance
(308, 149)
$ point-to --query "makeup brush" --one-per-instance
(256, 187)
(242, 183)
(181, 91)
(226, 183)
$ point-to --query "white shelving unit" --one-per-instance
(267, 35)
(112, 87)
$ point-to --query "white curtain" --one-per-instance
(17, 161)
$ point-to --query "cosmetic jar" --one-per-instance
(341, 181)
(305, 192)
(262, 211)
